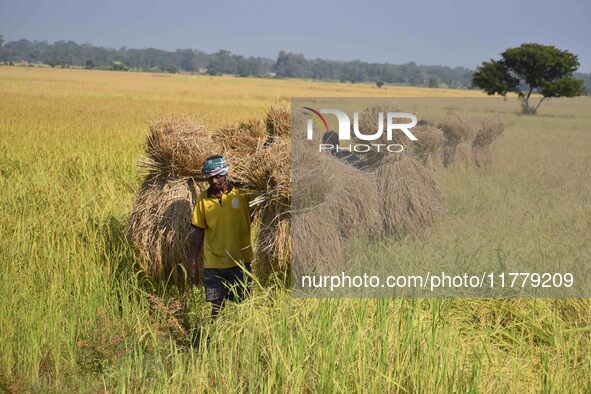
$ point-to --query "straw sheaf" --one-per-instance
(159, 226)
(483, 146)
(272, 243)
(489, 129)
(410, 198)
(463, 154)
(177, 147)
(316, 242)
(268, 172)
(244, 138)
(278, 120)
(353, 200)
(428, 145)
(455, 129)
(343, 196)
(320, 178)
(368, 124)
(458, 135)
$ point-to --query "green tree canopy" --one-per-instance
(531, 68)
(119, 66)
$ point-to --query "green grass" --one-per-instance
(76, 316)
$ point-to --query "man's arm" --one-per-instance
(196, 241)
(196, 247)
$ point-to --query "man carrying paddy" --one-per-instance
(221, 218)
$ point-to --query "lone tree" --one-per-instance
(531, 68)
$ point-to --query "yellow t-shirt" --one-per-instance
(227, 228)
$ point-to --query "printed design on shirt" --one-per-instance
(235, 203)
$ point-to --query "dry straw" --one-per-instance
(272, 244)
(244, 138)
(159, 226)
(368, 123)
(353, 199)
(489, 130)
(312, 177)
(267, 172)
(278, 120)
(177, 147)
(410, 198)
(239, 142)
(458, 134)
(316, 242)
(463, 155)
(344, 197)
(428, 145)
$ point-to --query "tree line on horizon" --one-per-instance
(287, 65)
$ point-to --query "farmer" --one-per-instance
(221, 219)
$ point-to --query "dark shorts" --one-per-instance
(226, 283)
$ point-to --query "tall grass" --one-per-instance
(76, 316)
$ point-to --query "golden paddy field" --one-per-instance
(75, 315)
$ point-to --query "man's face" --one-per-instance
(217, 181)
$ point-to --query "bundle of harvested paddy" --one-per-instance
(458, 134)
(278, 120)
(159, 226)
(321, 184)
(272, 244)
(369, 124)
(267, 172)
(456, 129)
(239, 142)
(428, 145)
(316, 243)
(463, 154)
(410, 198)
(489, 130)
(353, 199)
(178, 147)
(312, 176)
(425, 122)
(243, 138)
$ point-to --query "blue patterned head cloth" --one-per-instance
(215, 165)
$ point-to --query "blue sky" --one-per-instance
(453, 33)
